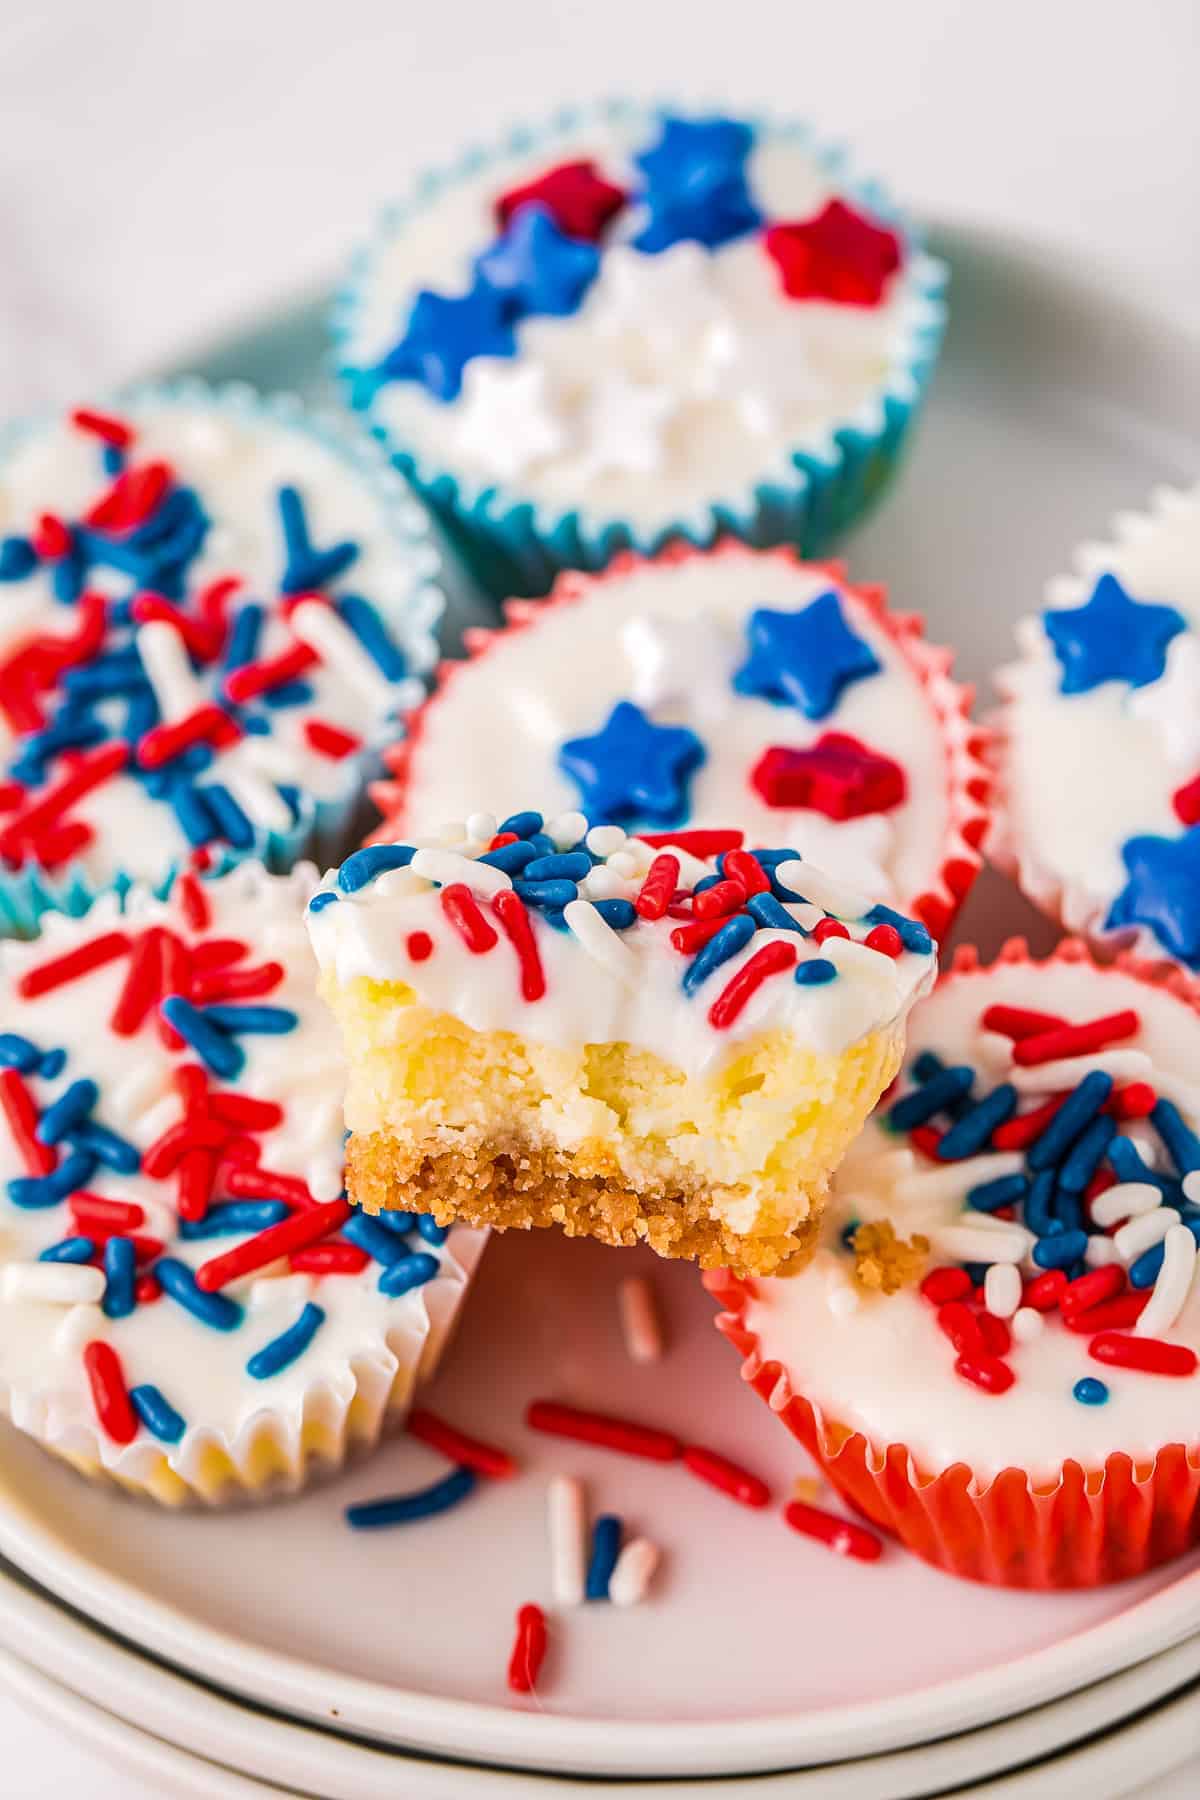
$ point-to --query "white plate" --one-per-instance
(153, 1700)
(759, 1650)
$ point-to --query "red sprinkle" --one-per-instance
(1186, 801)
(175, 978)
(519, 932)
(961, 1326)
(841, 1536)
(503, 837)
(55, 974)
(419, 945)
(1075, 1040)
(1152, 1355)
(20, 1109)
(192, 899)
(197, 1172)
(57, 845)
(774, 958)
(886, 939)
(1137, 1101)
(1090, 1289)
(687, 939)
(141, 990)
(203, 639)
(730, 1477)
(207, 725)
(1045, 1292)
(253, 1183)
(255, 678)
(657, 889)
(741, 867)
(163, 1156)
(88, 771)
(467, 1452)
(1020, 1021)
(217, 953)
(528, 1651)
(941, 1285)
(147, 1289)
(829, 928)
(110, 1396)
(102, 425)
(115, 1216)
(1112, 1315)
(237, 984)
(277, 1240)
(462, 909)
(698, 843)
(328, 740)
(51, 538)
(722, 898)
(133, 498)
(243, 1112)
(602, 1429)
(986, 1372)
(1019, 1133)
(926, 1139)
(994, 1331)
(332, 1258)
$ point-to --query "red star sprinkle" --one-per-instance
(576, 195)
(837, 776)
(838, 255)
(1186, 801)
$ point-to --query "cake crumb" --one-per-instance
(884, 1262)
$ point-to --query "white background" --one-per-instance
(166, 169)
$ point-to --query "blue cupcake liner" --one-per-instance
(516, 546)
(324, 829)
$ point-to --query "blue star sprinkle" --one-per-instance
(536, 268)
(308, 568)
(806, 658)
(1112, 638)
(443, 334)
(1163, 892)
(696, 184)
(633, 769)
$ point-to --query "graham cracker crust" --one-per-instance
(517, 1189)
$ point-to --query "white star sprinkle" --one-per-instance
(1172, 703)
(690, 660)
(621, 427)
(765, 376)
(662, 298)
(508, 418)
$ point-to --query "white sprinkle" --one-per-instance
(60, 1283)
(165, 660)
(1002, 1290)
(1050, 1077)
(257, 796)
(843, 901)
(602, 840)
(640, 1325)
(633, 1572)
(622, 863)
(602, 884)
(1144, 1232)
(1124, 1201)
(993, 1051)
(324, 631)
(1100, 1251)
(288, 1288)
(1027, 1324)
(954, 1181)
(566, 829)
(805, 913)
(451, 834)
(482, 827)
(325, 1177)
(398, 884)
(642, 855)
(1173, 1285)
(598, 938)
(1191, 1186)
(1185, 1097)
(976, 1243)
(79, 1327)
(268, 755)
(566, 1515)
(446, 866)
(842, 1298)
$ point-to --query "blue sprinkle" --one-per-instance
(1182, 1142)
(977, 1272)
(968, 1135)
(1005, 1190)
(431, 1231)
(768, 912)
(1068, 1207)
(1127, 1164)
(408, 1272)
(620, 914)
(234, 1216)
(118, 1301)
(114, 1151)
(815, 971)
(563, 865)
(1076, 1112)
(546, 894)
(362, 619)
(32, 1191)
(1090, 1392)
(232, 823)
(366, 865)
(291, 1344)
(112, 459)
(242, 645)
(931, 1097)
(18, 558)
(288, 693)
(927, 1065)
(510, 858)
(216, 1051)
(211, 1309)
(191, 809)
(705, 882)
(52, 1064)
(540, 844)
(401, 1509)
(266, 1021)
(1058, 1252)
(391, 1220)
(379, 1241)
(69, 1250)
(849, 1232)
(307, 567)
(18, 1053)
(1145, 1271)
(1086, 1154)
(320, 901)
(524, 824)
(911, 932)
(732, 937)
(606, 1546)
(157, 1414)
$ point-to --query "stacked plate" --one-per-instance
(215, 1654)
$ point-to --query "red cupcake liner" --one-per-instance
(1087, 1527)
(968, 777)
